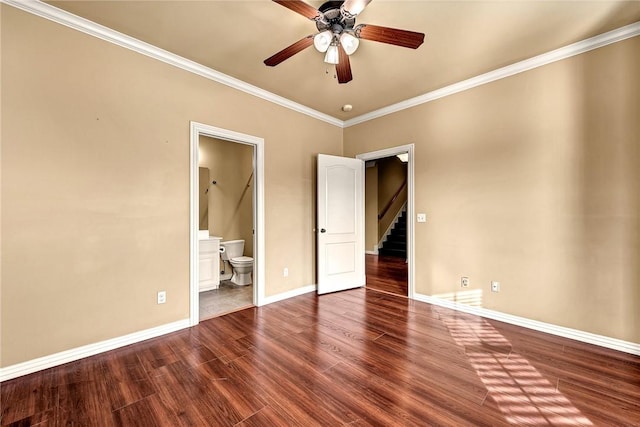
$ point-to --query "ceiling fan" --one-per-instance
(338, 35)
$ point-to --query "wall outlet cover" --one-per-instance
(162, 297)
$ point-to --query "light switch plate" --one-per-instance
(422, 217)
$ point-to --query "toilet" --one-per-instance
(242, 265)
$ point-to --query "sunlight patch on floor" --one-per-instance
(523, 395)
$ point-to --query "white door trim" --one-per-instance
(198, 129)
(388, 152)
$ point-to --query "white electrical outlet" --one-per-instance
(422, 217)
(495, 286)
(464, 281)
(285, 272)
(162, 297)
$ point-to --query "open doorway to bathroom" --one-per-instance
(226, 214)
(388, 229)
(250, 181)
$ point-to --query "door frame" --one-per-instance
(196, 130)
(389, 152)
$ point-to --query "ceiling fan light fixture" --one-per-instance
(354, 7)
(322, 41)
(349, 42)
(332, 54)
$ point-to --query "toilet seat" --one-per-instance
(242, 259)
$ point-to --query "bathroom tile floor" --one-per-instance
(228, 297)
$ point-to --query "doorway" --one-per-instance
(226, 212)
(251, 192)
(388, 220)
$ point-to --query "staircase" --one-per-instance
(396, 241)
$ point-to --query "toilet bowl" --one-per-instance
(242, 266)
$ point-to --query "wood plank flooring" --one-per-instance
(387, 274)
(358, 358)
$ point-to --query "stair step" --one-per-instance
(395, 245)
(393, 252)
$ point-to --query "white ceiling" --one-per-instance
(463, 39)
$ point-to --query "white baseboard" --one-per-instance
(289, 294)
(586, 337)
(371, 252)
(73, 354)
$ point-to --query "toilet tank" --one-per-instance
(232, 249)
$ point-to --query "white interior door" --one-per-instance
(341, 261)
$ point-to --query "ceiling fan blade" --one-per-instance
(300, 7)
(343, 67)
(288, 52)
(354, 7)
(387, 35)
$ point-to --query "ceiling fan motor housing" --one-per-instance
(335, 19)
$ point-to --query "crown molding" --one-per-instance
(577, 48)
(44, 10)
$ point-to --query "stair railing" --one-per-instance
(383, 212)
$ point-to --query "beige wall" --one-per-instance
(382, 181)
(95, 186)
(371, 208)
(203, 198)
(230, 200)
(391, 174)
(534, 181)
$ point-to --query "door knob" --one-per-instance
(322, 230)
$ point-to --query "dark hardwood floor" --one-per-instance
(360, 358)
(387, 274)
